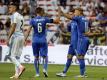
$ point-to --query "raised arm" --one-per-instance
(57, 20)
(68, 16)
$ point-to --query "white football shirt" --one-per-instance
(19, 20)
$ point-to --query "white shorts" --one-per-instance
(16, 46)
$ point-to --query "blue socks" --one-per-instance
(36, 64)
(45, 63)
(82, 66)
(68, 63)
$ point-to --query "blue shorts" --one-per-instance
(72, 49)
(82, 45)
(40, 49)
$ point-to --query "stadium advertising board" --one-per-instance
(96, 56)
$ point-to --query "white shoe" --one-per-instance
(37, 75)
(22, 69)
(82, 76)
(14, 77)
(45, 73)
(61, 74)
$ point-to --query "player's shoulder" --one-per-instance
(73, 22)
(83, 18)
(41, 18)
(16, 14)
(76, 18)
(33, 20)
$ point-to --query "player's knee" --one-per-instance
(36, 57)
(44, 57)
(80, 56)
(69, 56)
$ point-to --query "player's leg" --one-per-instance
(82, 65)
(70, 55)
(43, 53)
(35, 47)
(36, 64)
(10, 48)
(45, 66)
(81, 51)
(20, 44)
(16, 68)
(14, 49)
(13, 56)
(68, 63)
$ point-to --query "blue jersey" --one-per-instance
(83, 41)
(82, 25)
(39, 26)
(74, 32)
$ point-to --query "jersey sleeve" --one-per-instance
(14, 18)
(48, 20)
(76, 18)
(69, 27)
(31, 22)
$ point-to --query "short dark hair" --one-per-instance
(72, 10)
(13, 3)
(79, 9)
(39, 10)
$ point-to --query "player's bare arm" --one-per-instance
(27, 34)
(12, 30)
(89, 34)
(57, 20)
(68, 16)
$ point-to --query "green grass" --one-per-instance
(94, 73)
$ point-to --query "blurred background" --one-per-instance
(57, 34)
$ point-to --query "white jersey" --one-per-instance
(19, 20)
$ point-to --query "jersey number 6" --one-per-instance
(39, 27)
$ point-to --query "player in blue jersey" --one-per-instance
(39, 41)
(72, 28)
(83, 40)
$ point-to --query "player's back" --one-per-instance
(39, 26)
(19, 20)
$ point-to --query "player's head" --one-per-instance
(40, 11)
(12, 7)
(78, 11)
(71, 12)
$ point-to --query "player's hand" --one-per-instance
(57, 21)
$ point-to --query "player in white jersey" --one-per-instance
(15, 39)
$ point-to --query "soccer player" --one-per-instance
(15, 39)
(39, 41)
(83, 40)
(72, 27)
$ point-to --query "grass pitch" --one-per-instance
(94, 73)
